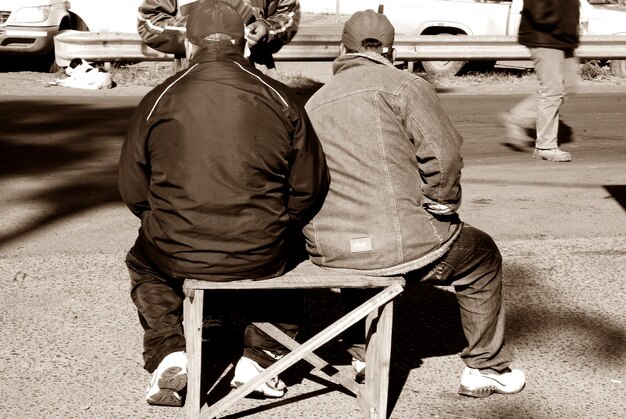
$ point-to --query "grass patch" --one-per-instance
(497, 76)
(150, 74)
(142, 75)
(595, 70)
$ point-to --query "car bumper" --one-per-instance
(27, 40)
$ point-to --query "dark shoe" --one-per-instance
(214, 329)
(477, 383)
(552, 154)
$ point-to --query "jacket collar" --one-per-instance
(358, 59)
(218, 51)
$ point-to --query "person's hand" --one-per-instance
(256, 31)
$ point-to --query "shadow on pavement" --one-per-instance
(426, 324)
(71, 149)
(618, 192)
(591, 337)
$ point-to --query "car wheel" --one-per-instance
(443, 68)
(618, 68)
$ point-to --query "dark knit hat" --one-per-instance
(207, 17)
(364, 25)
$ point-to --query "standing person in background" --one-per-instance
(395, 162)
(270, 24)
(223, 169)
(549, 28)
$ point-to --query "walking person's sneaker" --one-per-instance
(359, 369)
(552, 154)
(167, 380)
(477, 383)
(514, 131)
(246, 369)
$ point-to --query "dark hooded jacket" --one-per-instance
(550, 24)
(221, 164)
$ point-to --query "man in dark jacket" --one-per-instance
(222, 167)
(270, 25)
(549, 28)
(395, 161)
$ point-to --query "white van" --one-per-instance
(493, 17)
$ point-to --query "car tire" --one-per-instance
(443, 68)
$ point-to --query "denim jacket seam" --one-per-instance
(436, 150)
(396, 216)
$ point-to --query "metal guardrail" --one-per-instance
(104, 47)
(450, 47)
(125, 47)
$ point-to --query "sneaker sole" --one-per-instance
(483, 392)
(548, 159)
(170, 382)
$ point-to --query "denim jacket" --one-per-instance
(395, 164)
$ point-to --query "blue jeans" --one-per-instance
(557, 71)
(473, 265)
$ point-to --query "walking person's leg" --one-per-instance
(570, 74)
(551, 68)
(520, 119)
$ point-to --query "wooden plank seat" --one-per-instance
(378, 312)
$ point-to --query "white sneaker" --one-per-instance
(246, 369)
(476, 383)
(359, 369)
(167, 380)
(552, 154)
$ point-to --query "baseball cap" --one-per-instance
(367, 24)
(207, 17)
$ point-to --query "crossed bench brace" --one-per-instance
(378, 311)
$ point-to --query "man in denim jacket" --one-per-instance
(395, 164)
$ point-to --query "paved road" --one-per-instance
(72, 344)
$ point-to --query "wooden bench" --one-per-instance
(378, 312)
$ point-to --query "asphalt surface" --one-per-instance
(71, 341)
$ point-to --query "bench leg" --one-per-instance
(380, 299)
(327, 369)
(192, 322)
(373, 400)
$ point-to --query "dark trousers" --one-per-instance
(473, 265)
(159, 297)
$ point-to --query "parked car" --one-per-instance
(28, 27)
(492, 17)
